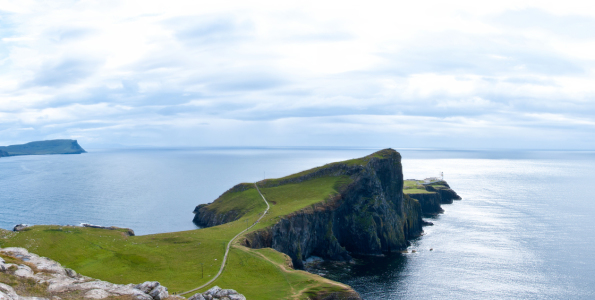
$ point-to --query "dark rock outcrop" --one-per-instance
(440, 193)
(20, 227)
(205, 217)
(447, 194)
(208, 216)
(430, 202)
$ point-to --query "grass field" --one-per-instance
(414, 187)
(177, 259)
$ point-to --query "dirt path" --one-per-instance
(229, 245)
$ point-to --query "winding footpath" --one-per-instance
(229, 245)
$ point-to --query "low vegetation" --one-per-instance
(414, 187)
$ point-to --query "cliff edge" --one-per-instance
(430, 195)
(364, 210)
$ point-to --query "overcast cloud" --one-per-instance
(455, 74)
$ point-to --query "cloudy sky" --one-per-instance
(430, 74)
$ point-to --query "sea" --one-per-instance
(523, 229)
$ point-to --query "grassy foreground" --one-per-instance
(177, 259)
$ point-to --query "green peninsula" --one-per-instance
(42, 148)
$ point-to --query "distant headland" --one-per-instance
(42, 148)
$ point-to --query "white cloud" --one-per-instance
(150, 72)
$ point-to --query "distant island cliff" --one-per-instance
(42, 148)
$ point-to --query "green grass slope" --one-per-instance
(415, 187)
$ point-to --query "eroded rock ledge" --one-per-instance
(431, 196)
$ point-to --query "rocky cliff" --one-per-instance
(447, 195)
(369, 215)
(207, 215)
(430, 202)
(433, 196)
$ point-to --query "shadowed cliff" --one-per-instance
(431, 195)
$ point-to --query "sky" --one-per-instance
(402, 74)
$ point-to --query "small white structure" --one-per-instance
(431, 179)
(434, 179)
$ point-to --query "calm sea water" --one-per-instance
(523, 229)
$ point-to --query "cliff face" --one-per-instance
(440, 193)
(447, 195)
(430, 202)
(368, 216)
(205, 215)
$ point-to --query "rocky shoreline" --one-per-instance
(435, 195)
